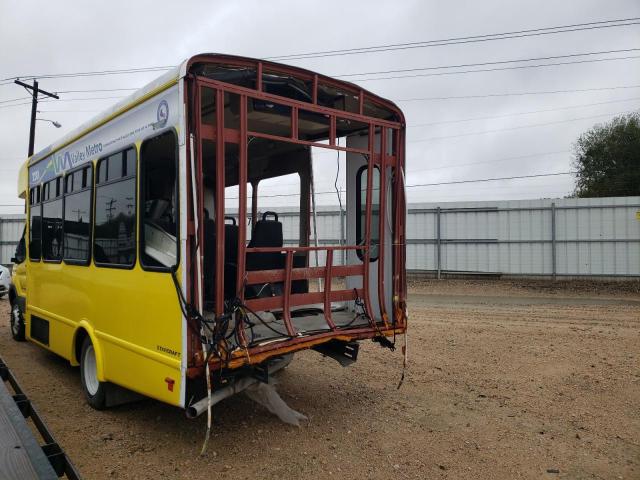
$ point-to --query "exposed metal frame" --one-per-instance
(221, 135)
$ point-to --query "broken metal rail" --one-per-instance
(21, 455)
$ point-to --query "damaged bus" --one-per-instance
(149, 261)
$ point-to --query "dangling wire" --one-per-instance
(405, 359)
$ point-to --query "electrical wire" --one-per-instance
(514, 94)
(458, 97)
(480, 180)
(122, 71)
(506, 159)
(335, 183)
(570, 107)
(520, 127)
(516, 177)
(481, 70)
(377, 48)
(463, 40)
(481, 64)
(65, 100)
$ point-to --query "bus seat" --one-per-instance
(266, 233)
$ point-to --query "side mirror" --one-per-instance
(14, 260)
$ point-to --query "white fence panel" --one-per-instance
(563, 237)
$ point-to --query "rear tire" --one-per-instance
(94, 389)
(17, 322)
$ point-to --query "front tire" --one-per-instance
(17, 322)
(94, 389)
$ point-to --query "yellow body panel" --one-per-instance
(132, 316)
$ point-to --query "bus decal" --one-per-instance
(131, 126)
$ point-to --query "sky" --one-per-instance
(492, 134)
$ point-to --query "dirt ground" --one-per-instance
(506, 380)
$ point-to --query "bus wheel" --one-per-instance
(17, 322)
(94, 389)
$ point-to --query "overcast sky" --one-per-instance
(448, 139)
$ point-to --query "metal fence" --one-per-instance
(561, 237)
(591, 237)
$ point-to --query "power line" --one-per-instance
(514, 94)
(68, 111)
(459, 97)
(377, 48)
(585, 105)
(480, 180)
(66, 100)
(464, 40)
(479, 70)
(98, 73)
(501, 62)
(15, 99)
(456, 165)
(520, 127)
(477, 180)
(99, 90)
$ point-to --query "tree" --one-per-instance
(607, 159)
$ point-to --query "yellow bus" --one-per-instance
(149, 258)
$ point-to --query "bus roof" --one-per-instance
(171, 77)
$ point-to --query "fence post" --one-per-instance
(438, 249)
(553, 240)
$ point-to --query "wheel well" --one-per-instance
(80, 336)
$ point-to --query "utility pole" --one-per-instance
(34, 107)
(110, 208)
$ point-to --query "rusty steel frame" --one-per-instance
(382, 160)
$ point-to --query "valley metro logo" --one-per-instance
(162, 115)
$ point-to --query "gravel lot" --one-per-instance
(506, 380)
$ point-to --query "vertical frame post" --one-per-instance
(220, 184)
(382, 210)
(242, 194)
(367, 234)
(199, 199)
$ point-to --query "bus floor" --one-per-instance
(308, 319)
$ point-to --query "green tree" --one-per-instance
(607, 159)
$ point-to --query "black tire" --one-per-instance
(16, 318)
(94, 390)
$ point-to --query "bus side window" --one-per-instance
(77, 216)
(114, 242)
(52, 220)
(361, 210)
(158, 189)
(35, 213)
